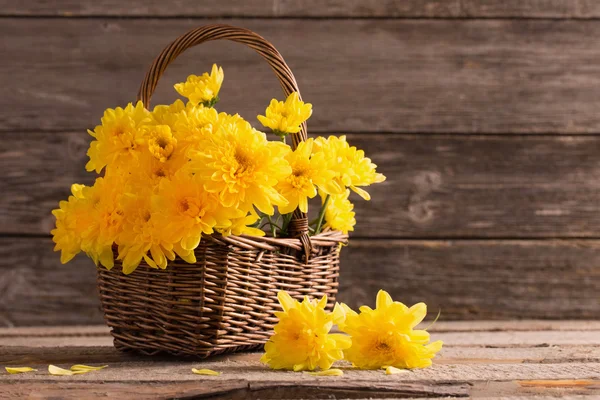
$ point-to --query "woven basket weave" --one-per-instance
(225, 301)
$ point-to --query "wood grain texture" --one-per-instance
(478, 279)
(235, 8)
(253, 371)
(236, 389)
(308, 8)
(35, 289)
(530, 8)
(527, 365)
(445, 76)
(466, 279)
(508, 339)
(89, 353)
(437, 187)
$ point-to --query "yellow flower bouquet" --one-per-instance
(214, 203)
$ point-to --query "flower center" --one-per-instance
(299, 178)
(383, 347)
(191, 207)
(162, 142)
(244, 162)
(160, 173)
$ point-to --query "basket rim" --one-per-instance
(269, 243)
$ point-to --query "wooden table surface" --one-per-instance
(483, 359)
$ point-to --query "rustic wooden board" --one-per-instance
(438, 186)
(475, 279)
(35, 289)
(439, 326)
(530, 8)
(88, 351)
(519, 368)
(462, 339)
(309, 8)
(235, 8)
(449, 76)
(467, 279)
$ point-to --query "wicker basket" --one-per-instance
(224, 302)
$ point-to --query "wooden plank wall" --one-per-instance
(484, 115)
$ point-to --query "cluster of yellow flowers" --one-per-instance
(384, 337)
(184, 170)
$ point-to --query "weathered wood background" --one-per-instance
(484, 115)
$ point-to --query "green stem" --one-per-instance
(267, 223)
(321, 215)
(286, 222)
(272, 226)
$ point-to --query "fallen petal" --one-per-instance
(18, 370)
(394, 370)
(54, 370)
(328, 372)
(87, 368)
(205, 372)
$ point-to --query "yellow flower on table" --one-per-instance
(202, 89)
(352, 169)
(240, 165)
(338, 212)
(286, 117)
(302, 341)
(119, 138)
(308, 172)
(385, 336)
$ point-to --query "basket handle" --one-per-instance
(299, 224)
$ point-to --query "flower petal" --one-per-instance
(205, 372)
(361, 192)
(384, 299)
(418, 313)
(286, 301)
(393, 370)
(18, 370)
(57, 371)
(87, 368)
(328, 372)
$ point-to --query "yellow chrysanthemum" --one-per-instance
(72, 219)
(161, 142)
(168, 114)
(351, 167)
(308, 172)
(242, 226)
(90, 221)
(142, 236)
(385, 336)
(302, 340)
(185, 211)
(150, 171)
(286, 117)
(118, 139)
(338, 212)
(202, 89)
(242, 167)
(104, 205)
(195, 124)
